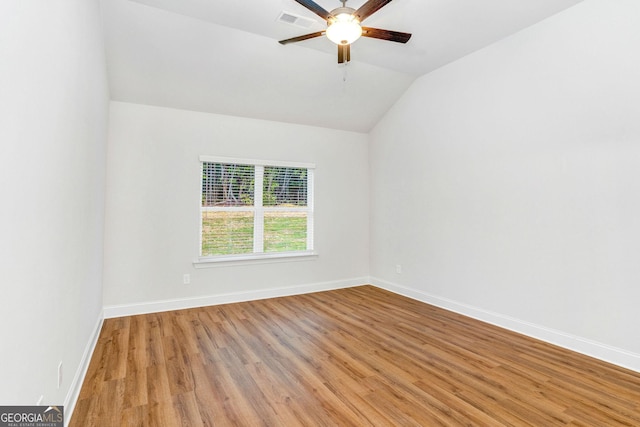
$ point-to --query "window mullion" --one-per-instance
(202, 192)
(310, 207)
(258, 218)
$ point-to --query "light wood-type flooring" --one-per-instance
(351, 357)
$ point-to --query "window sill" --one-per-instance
(248, 259)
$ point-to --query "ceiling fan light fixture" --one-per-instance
(343, 26)
(344, 29)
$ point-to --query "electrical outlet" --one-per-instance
(59, 374)
(186, 279)
(398, 269)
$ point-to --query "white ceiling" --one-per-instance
(222, 56)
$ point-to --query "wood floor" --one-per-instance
(352, 357)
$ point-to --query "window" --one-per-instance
(255, 209)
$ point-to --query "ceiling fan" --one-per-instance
(343, 26)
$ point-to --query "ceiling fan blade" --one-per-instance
(315, 8)
(344, 53)
(369, 8)
(393, 36)
(300, 38)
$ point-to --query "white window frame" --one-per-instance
(258, 255)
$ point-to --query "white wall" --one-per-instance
(53, 125)
(507, 184)
(153, 196)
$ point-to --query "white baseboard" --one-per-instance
(76, 384)
(202, 301)
(588, 347)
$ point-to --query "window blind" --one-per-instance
(227, 214)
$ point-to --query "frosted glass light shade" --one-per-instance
(344, 30)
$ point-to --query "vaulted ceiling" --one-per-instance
(222, 56)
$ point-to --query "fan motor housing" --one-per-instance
(343, 10)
